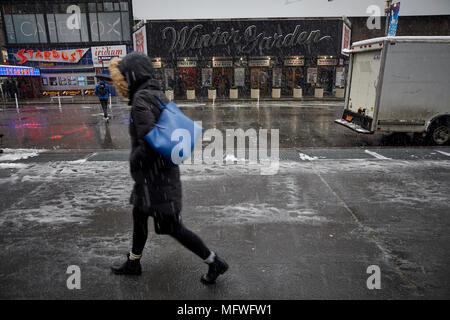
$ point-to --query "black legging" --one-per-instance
(186, 237)
(104, 104)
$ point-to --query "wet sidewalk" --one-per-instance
(307, 232)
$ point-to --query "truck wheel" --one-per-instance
(440, 132)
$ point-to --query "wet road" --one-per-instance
(300, 124)
(309, 231)
(338, 203)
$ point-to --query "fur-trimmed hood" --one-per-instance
(133, 72)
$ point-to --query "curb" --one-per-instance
(13, 104)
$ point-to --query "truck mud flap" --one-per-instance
(352, 126)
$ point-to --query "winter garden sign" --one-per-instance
(249, 39)
(245, 37)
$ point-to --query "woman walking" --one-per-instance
(157, 188)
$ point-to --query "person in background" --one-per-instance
(102, 91)
(10, 89)
(3, 88)
(23, 90)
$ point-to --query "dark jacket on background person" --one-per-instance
(157, 186)
(101, 96)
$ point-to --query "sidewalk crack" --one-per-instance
(394, 260)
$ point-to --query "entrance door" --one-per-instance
(260, 77)
(222, 79)
(187, 79)
(294, 77)
(326, 79)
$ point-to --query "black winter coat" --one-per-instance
(157, 188)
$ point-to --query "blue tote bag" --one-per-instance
(174, 135)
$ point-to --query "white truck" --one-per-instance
(399, 84)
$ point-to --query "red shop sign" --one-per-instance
(68, 56)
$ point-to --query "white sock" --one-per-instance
(135, 256)
(211, 257)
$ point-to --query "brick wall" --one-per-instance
(407, 26)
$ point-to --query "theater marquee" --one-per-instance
(245, 37)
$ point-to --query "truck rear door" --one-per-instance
(359, 111)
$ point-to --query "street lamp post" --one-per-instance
(386, 11)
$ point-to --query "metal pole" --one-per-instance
(110, 104)
(17, 102)
(59, 104)
(257, 104)
(386, 11)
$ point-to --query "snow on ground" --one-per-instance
(248, 212)
(66, 192)
(72, 191)
(18, 154)
(305, 157)
(12, 165)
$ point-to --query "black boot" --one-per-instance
(216, 268)
(130, 267)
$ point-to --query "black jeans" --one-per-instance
(186, 237)
(104, 104)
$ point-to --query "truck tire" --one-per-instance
(439, 133)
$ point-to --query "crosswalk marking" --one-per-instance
(444, 153)
(377, 155)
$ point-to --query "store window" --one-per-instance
(40, 23)
(125, 26)
(94, 27)
(62, 81)
(108, 6)
(108, 21)
(81, 80)
(72, 81)
(110, 24)
(276, 77)
(92, 7)
(169, 78)
(65, 34)
(124, 6)
(53, 81)
(52, 27)
(23, 26)
(10, 34)
(44, 81)
(110, 28)
(90, 80)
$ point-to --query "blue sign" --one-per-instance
(19, 71)
(393, 19)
